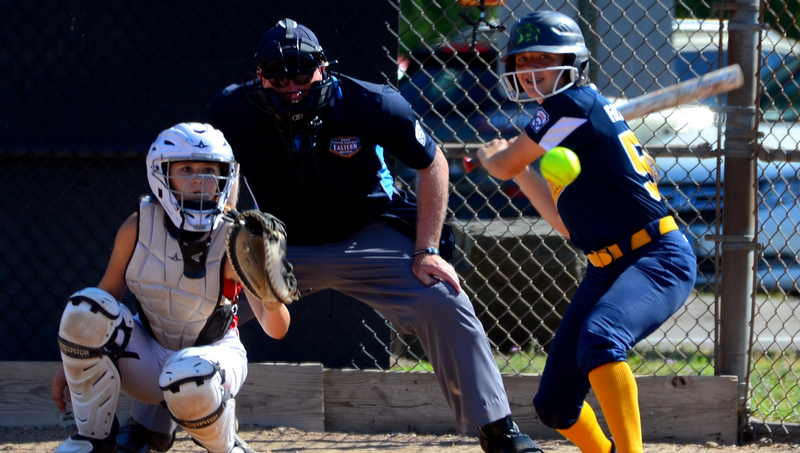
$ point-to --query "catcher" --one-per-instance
(182, 349)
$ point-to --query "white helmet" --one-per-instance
(191, 142)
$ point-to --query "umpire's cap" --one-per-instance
(289, 48)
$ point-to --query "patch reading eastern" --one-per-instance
(345, 146)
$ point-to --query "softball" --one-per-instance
(560, 166)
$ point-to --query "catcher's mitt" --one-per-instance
(257, 250)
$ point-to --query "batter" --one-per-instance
(641, 268)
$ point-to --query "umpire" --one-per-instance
(312, 144)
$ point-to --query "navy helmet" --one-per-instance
(544, 32)
(548, 32)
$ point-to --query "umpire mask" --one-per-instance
(290, 53)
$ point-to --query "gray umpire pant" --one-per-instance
(374, 266)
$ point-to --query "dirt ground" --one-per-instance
(288, 440)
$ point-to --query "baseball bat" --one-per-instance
(714, 82)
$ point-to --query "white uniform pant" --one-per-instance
(139, 377)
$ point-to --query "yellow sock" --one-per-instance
(615, 388)
(586, 433)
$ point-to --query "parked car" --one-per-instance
(454, 87)
(696, 43)
(689, 185)
(690, 189)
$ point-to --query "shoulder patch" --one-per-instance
(419, 133)
(345, 146)
(540, 119)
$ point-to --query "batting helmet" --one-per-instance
(547, 32)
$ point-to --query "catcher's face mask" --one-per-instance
(197, 187)
(191, 172)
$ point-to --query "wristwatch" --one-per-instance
(427, 251)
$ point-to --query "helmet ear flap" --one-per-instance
(570, 59)
(510, 63)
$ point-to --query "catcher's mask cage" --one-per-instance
(286, 51)
(192, 142)
(545, 32)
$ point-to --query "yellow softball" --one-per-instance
(560, 166)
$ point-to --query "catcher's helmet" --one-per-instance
(289, 49)
(546, 32)
(196, 142)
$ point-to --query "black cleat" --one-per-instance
(135, 438)
(503, 436)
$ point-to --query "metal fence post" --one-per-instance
(738, 217)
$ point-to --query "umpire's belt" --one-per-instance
(651, 232)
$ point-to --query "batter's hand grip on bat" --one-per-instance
(470, 163)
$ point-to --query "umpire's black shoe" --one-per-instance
(503, 436)
(135, 438)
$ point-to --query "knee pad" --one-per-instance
(93, 334)
(195, 396)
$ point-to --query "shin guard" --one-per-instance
(195, 396)
(94, 331)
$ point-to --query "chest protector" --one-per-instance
(177, 310)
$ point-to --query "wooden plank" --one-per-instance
(283, 395)
(673, 409)
(26, 396)
(273, 395)
(688, 409)
(376, 401)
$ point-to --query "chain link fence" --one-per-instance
(89, 85)
(451, 79)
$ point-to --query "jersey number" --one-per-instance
(640, 162)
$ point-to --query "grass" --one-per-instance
(774, 376)
(775, 393)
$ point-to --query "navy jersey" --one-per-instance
(345, 182)
(614, 196)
